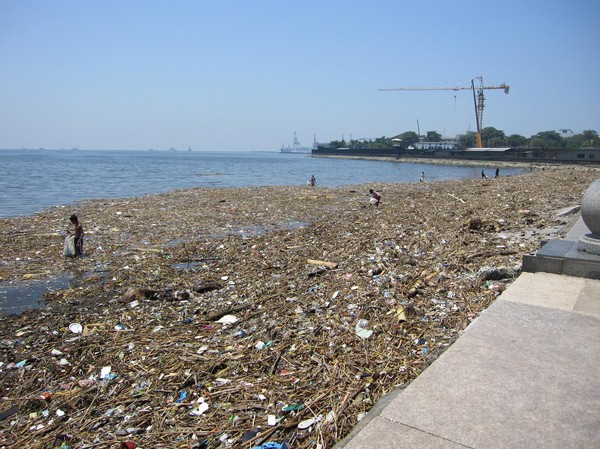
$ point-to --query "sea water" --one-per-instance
(32, 180)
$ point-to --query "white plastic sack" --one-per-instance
(373, 201)
(69, 248)
(227, 319)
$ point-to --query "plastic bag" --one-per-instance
(69, 248)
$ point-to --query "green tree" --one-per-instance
(433, 136)
(546, 140)
(587, 139)
(492, 137)
(591, 139)
(382, 142)
(337, 144)
(467, 140)
(516, 140)
(574, 142)
(354, 143)
(408, 137)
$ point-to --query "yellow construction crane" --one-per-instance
(478, 99)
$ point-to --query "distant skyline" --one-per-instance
(239, 75)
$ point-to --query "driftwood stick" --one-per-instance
(457, 198)
(322, 262)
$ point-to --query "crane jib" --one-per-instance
(478, 99)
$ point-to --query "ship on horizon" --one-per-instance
(295, 147)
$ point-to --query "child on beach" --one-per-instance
(375, 197)
(78, 235)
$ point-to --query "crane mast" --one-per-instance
(478, 99)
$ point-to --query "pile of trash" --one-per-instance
(256, 317)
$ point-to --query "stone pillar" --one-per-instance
(590, 213)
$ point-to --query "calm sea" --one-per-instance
(32, 180)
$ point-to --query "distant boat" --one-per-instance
(295, 148)
(189, 148)
(289, 149)
(172, 149)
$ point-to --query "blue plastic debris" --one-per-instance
(182, 397)
(272, 446)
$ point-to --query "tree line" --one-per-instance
(490, 136)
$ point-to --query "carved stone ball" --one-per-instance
(590, 208)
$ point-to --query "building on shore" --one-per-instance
(582, 154)
(447, 144)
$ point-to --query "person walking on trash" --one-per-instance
(313, 181)
(78, 235)
(375, 197)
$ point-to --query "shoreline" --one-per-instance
(431, 161)
(472, 163)
(334, 304)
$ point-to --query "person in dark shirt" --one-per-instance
(78, 235)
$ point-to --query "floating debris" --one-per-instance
(244, 317)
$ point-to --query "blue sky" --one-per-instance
(246, 75)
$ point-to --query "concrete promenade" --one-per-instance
(524, 374)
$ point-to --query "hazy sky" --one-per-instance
(244, 75)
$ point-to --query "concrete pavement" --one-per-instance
(524, 374)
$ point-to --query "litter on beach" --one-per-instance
(244, 322)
